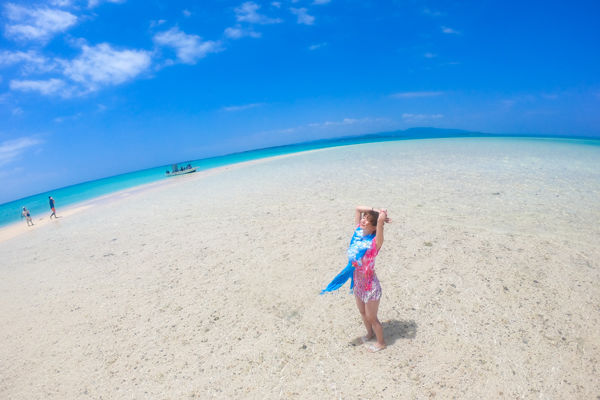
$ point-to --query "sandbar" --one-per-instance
(208, 287)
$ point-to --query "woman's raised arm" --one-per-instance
(383, 218)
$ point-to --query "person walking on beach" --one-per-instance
(51, 201)
(25, 213)
(364, 247)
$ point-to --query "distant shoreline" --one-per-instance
(15, 229)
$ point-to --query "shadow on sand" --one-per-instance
(394, 330)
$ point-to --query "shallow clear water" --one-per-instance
(38, 204)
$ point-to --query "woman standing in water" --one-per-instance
(364, 247)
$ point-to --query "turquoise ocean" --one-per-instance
(67, 196)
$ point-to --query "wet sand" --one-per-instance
(207, 286)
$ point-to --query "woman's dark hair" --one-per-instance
(372, 216)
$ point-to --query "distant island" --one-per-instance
(408, 134)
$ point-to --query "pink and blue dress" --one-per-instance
(360, 268)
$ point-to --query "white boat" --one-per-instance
(180, 171)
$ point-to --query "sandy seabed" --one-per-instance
(207, 286)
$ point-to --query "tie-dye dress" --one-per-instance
(361, 254)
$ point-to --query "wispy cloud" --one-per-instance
(187, 13)
(237, 32)
(102, 65)
(303, 16)
(521, 99)
(346, 122)
(316, 130)
(61, 3)
(155, 23)
(432, 13)
(96, 66)
(37, 24)
(321, 2)
(95, 3)
(450, 31)
(429, 55)
(317, 46)
(189, 48)
(59, 120)
(248, 12)
(46, 87)
(421, 117)
(31, 60)
(10, 150)
(242, 107)
(412, 95)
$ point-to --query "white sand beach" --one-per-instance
(208, 286)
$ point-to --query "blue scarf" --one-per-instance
(359, 245)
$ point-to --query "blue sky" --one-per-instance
(94, 88)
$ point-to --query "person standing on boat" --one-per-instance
(51, 201)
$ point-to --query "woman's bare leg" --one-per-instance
(371, 308)
(361, 308)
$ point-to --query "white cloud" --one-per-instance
(276, 4)
(36, 24)
(103, 65)
(242, 107)
(237, 32)
(10, 150)
(95, 3)
(247, 12)
(429, 55)
(234, 32)
(346, 122)
(31, 60)
(421, 117)
(45, 87)
(411, 95)
(61, 3)
(189, 48)
(319, 2)
(17, 111)
(154, 23)
(303, 17)
(450, 31)
(16, 57)
(317, 46)
(187, 13)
